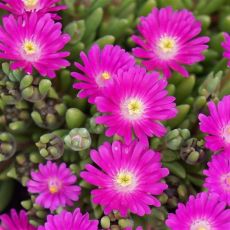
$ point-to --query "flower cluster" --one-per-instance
(30, 37)
(133, 102)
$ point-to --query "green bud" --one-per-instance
(124, 223)
(183, 111)
(192, 151)
(27, 204)
(93, 127)
(182, 192)
(6, 68)
(147, 7)
(107, 39)
(7, 146)
(50, 146)
(171, 89)
(169, 156)
(205, 20)
(176, 168)
(163, 198)
(76, 30)
(75, 118)
(78, 139)
(185, 88)
(105, 222)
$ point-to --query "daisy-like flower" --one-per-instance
(218, 176)
(127, 176)
(135, 102)
(217, 125)
(20, 7)
(203, 212)
(99, 68)
(55, 186)
(33, 41)
(169, 41)
(226, 46)
(68, 220)
(15, 221)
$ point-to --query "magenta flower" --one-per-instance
(226, 46)
(20, 7)
(67, 220)
(169, 41)
(33, 41)
(128, 177)
(217, 125)
(218, 176)
(203, 212)
(135, 103)
(55, 186)
(15, 221)
(99, 68)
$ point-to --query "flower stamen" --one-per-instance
(30, 4)
(29, 47)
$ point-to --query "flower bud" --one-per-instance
(50, 146)
(192, 151)
(78, 139)
(7, 146)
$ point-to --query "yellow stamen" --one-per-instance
(105, 75)
(201, 228)
(134, 107)
(54, 185)
(228, 180)
(53, 189)
(167, 44)
(124, 179)
(30, 4)
(29, 47)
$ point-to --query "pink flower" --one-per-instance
(33, 41)
(217, 125)
(99, 68)
(71, 221)
(20, 7)
(203, 212)
(218, 176)
(226, 46)
(15, 221)
(135, 102)
(128, 177)
(169, 41)
(55, 186)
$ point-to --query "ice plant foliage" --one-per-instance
(127, 176)
(55, 186)
(203, 212)
(21, 7)
(31, 42)
(218, 176)
(99, 68)
(169, 40)
(217, 125)
(15, 221)
(134, 103)
(71, 221)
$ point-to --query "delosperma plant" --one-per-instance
(115, 114)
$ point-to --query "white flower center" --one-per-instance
(30, 4)
(200, 225)
(54, 185)
(103, 78)
(29, 47)
(30, 51)
(133, 108)
(226, 134)
(167, 47)
(125, 181)
(225, 181)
